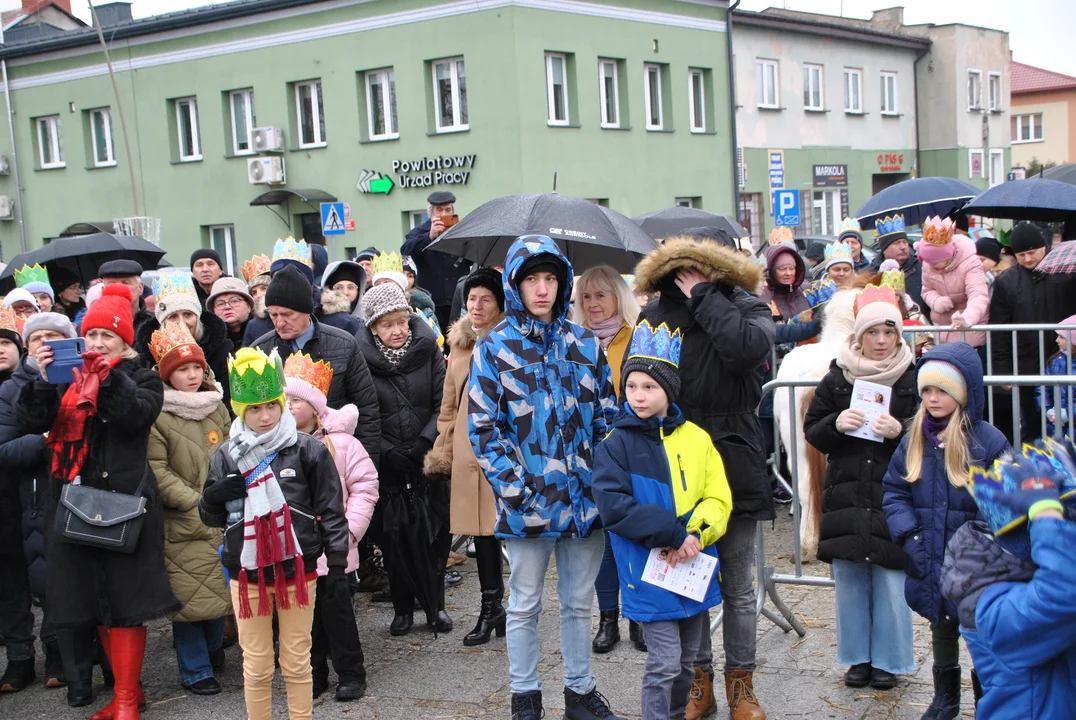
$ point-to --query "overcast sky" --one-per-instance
(1040, 31)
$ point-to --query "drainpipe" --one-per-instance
(14, 158)
(915, 107)
(732, 114)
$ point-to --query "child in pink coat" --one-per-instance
(954, 284)
(334, 631)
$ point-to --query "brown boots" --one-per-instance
(740, 691)
(700, 701)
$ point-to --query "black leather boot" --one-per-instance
(946, 703)
(608, 634)
(635, 634)
(77, 652)
(492, 619)
(18, 675)
(439, 621)
(401, 624)
(491, 580)
(527, 706)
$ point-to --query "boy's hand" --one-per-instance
(688, 550)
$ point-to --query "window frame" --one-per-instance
(809, 70)
(883, 77)
(982, 163)
(191, 103)
(850, 74)
(696, 78)
(229, 254)
(994, 103)
(603, 98)
(110, 149)
(761, 66)
(653, 69)
(249, 116)
(991, 180)
(317, 109)
(978, 74)
(1032, 125)
(684, 202)
(458, 98)
(387, 76)
(50, 133)
(550, 91)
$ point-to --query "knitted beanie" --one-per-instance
(57, 322)
(486, 278)
(40, 287)
(94, 294)
(21, 295)
(944, 376)
(381, 300)
(665, 374)
(111, 312)
(206, 254)
(291, 289)
(989, 248)
(1026, 236)
(169, 304)
(1067, 334)
(305, 391)
(305, 270)
(875, 314)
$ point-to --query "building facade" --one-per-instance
(371, 103)
(1043, 121)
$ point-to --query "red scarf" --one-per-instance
(67, 439)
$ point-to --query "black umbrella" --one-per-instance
(916, 199)
(411, 529)
(1061, 173)
(1034, 199)
(84, 256)
(587, 233)
(665, 223)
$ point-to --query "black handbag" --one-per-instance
(101, 518)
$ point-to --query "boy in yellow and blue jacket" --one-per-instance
(660, 483)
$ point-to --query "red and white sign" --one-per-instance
(890, 162)
(349, 225)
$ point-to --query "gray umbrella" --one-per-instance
(587, 233)
(675, 220)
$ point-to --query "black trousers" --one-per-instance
(16, 616)
(335, 634)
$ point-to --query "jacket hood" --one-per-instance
(626, 419)
(462, 333)
(718, 263)
(332, 267)
(525, 247)
(421, 299)
(195, 406)
(423, 342)
(973, 562)
(334, 301)
(771, 260)
(344, 420)
(966, 360)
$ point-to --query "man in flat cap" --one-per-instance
(438, 272)
(129, 273)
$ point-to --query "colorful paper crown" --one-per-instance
(1003, 237)
(169, 337)
(257, 265)
(387, 262)
(10, 321)
(820, 292)
(938, 231)
(873, 294)
(848, 225)
(27, 274)
(893, 279)
(255, 379)
(656, 343)
(781, 234)
(318, 375)
(889, 225)
(838, 252)
(292, 249)
(173, 283)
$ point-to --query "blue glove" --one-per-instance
(1013, 491)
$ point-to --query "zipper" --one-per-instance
(683, 478)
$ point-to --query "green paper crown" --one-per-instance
(255, 378)
(26, 275)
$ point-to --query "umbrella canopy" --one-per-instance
(411, 527)
(1034, 199)
(84, 255)
(587, 233)
(1062, 259)
(916, 199)
(665, 223)
(1061, 173)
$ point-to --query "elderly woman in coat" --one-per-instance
(98, 431)
(473, 510)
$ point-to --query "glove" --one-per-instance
(887, 426)
(336, 583)
(419, 450)
(1035, 493)
(957, 320)
(232, 487)
(1051, 415)
(943, 305)
(849, 420)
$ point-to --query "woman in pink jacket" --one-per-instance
(335, 632)
(954, 284)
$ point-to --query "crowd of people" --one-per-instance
(256, 450)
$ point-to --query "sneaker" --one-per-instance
(452, 578)
(372, 576)
(781, 496)
(590, 706)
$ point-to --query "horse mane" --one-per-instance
(839, 320)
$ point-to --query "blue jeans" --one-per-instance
(578, 560)
(672, 646)
(874, 623)
(608, 584)
(194, 641)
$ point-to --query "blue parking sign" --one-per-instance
(786, 207)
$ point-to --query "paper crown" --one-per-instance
(255, 378)
(656, 343)
(10, 321)
(938, 231)
(173, 283)
(169, 337)
(27, 274)
(893, 279)
(848, 225)
(292, 249)
(820, 292)
(318, 375)
(889, 225)
(1003, 237)
(838, 252)
(257, 265)
(781, 235)
(387, 262)
(873, 294)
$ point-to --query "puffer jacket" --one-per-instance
(923, 515)
(358, 477)
(963, 283)
(351, 381)
(189, 429)
(19, 452)
(540, 397)
(214, 343)
(1057, 366)
(647, 503)
(335, 309)
(727, 337)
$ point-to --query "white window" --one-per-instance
(450, 95)
(812, 87)
(556, 87)
(685, 202)
(242, 107)
(652, 97)
(697, 99)
(50, 142)
(766, 95)
(101, 135)
(417, 217)
(995, 91)
(975, 163)
(827, 211)
(190, 143)
(975, 89)
(381, 104)
(853, 91)
(889, 93)
(222, 239)
(1026, 128)
(997, 167)
(310, 107)
(609, 93)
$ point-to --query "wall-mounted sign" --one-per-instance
(438, 170)
(777, 174)
(891, 162)
(374, 182)
(830, 175)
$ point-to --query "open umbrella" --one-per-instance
(665, 223)
(1032, 199)
(1060, 260)
(84, 256)
(411, 529)
(587, 233)
(916, 199)
(1061, 173)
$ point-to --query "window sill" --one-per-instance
(102, 166)
(660, 130)
(817, 111)
(616, 127)
(307, 148)
(564, 126)
(1026, 142)
(236, 156)
(449, 131)
(704, 132)
(892, 115)
(380, 139)
(770, 108)
(858, 113)
(997, 111)
(43, 168)
(975, 109)
(186, 161)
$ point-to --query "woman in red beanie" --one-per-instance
(98, 428)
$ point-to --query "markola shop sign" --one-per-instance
(830, 175)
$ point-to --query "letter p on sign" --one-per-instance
(787, 203)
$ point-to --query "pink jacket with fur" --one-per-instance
(358, 477)
(963, 284)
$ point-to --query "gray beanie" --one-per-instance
(48, 321)
(381, 300)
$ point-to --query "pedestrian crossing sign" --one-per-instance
(332, 218)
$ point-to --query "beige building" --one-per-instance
(1043, 116)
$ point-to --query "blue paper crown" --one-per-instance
(171, 283)
(889, 225)
(838, 250)
(656, 343)
(820, 292)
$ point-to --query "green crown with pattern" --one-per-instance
(255, 379)
(27, 274)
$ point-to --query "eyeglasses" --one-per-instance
(345, 286)
(233, 302)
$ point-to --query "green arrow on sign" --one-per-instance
(382, 184)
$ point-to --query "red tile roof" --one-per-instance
(1028, 79)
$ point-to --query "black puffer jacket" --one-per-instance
(312, 494)
(853, 523)
(727, 337)
(437, 271)
(15, 453)
(351, 381)
(1024, 296)
(214, 343)
(409, 396)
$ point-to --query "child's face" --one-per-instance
(938, 403)
(263, 418)
(304, 413)
(646, 398)
(1062, 343)
(187, 378)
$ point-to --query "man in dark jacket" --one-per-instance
(727, 337)
(850, 236)
(893, 244)
(290, 303)
(1021, 296)
(206, 269)
(439, 271)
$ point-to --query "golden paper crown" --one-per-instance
(873, 294)
(318, 375)
(781, 234)
(387, 262)
(894, 279)
(292, 249)
(257, 265)
(937, 231)
(171, 336)
(10, 321)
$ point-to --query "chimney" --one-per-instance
(889, 19)
(113, 13)
(32, 6)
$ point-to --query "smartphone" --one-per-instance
(449, 220)
(66, 356)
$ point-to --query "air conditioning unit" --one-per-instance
(265, 171)
(3, 165)
(267, 139)
(6, 208)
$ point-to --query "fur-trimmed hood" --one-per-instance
(464, 335)
(195, 406)
(716, 262)
(334, 301)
